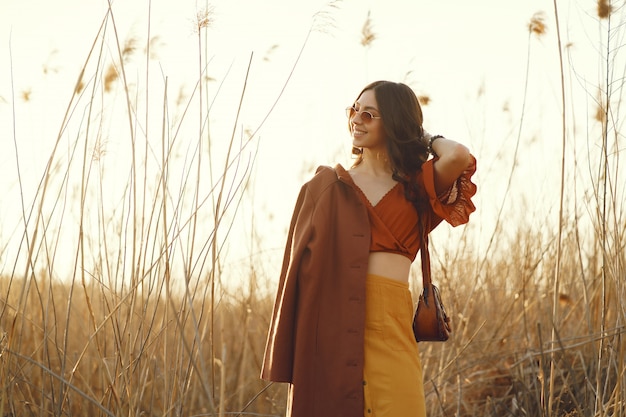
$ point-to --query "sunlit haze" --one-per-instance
(469, 58)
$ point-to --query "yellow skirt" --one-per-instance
(392, 373)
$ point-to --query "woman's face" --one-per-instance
(367, 133)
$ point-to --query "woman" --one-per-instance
(341, 330)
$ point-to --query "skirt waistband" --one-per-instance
(379, 279)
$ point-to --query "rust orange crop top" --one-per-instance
(393, 220)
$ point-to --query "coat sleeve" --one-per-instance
(279, 349)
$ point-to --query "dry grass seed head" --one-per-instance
(79, 87)
(130, 46)
(367, 33)
(204, 18)
(324, 20)
(600, 115)
(604, 9)
(26, 94)
(537, 24)
(424, 100)
(112, 74)
(155, 43)
(109, 77)
(269, 52)
(99, 150)
(80, 84)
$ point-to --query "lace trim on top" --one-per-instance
(380, 200)
(455, 204)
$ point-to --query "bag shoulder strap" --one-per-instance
(426, 279)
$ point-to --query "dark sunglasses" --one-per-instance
(365, 115)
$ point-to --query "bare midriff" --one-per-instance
(390, 265)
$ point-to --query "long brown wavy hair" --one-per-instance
(402, 119)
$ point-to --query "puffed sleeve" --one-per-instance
(455, 204)
(279, 350)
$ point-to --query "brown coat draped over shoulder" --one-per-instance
(315, 340)
(316, 335)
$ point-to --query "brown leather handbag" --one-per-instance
(430, 323)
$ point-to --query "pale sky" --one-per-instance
(468, 57)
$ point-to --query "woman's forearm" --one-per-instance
(453, 159)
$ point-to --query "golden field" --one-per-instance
(142, 322)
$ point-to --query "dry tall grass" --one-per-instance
(142, 325)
